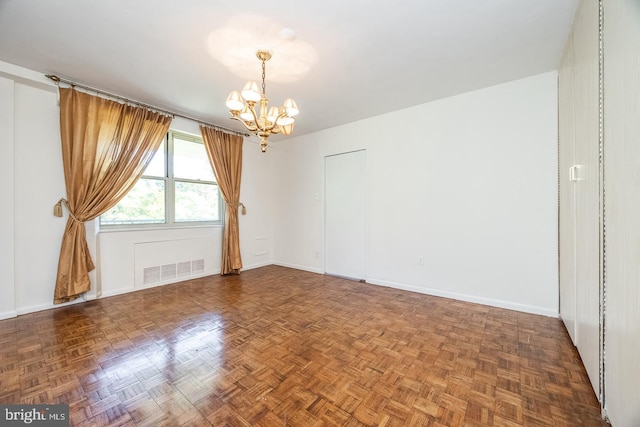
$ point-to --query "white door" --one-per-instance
(580, 189)
(345, 214)
(587, 188)
(567, 159)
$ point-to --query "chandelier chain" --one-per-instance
(264, 93)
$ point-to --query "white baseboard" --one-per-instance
(47, 306)
(8, 314)
(114, 292)
(468, 298)
(371, 280)
(258, 265)
(299, 267)
(440, 293)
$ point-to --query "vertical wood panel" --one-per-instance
(566, 154)
(579, 135)
(622, 215)
(586, 55)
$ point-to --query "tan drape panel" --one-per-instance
(105, 148)
(225, 154)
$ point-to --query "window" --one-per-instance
(177, 187)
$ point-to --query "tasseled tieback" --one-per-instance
(57, 210)
(237, 206)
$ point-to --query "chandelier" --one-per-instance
(242, 106)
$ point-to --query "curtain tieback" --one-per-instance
(57, 210)
(237, 205)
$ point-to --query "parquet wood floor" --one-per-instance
(281, 347)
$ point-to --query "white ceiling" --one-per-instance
(351, 59)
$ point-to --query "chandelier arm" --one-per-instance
(270, 127)
(275, 122)
(273, 125)
(250, 127)
(255, 117)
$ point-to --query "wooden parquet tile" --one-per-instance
(281, 347)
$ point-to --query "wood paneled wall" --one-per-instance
(580, 250)
(622, 210)
(599, 136)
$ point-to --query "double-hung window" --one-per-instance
(178, 187)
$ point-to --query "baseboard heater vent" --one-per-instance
(168, 272)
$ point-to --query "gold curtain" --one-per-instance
(225, 154)
(106, 146)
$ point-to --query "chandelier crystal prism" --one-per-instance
(242, 106)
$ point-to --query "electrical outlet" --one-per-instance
(420, 260)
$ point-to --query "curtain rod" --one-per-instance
(59, 80)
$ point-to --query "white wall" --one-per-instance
(33, 181)
(33, 158)
(119, 259)
(256, 192)
(467, 184)
(298, 192)
(7, 293)
(39, 183)
(462, 196)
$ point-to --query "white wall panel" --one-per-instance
(622, 216)
(299, 200)
(587, 187)
(580, 251)
(462, 195)
(124, 254)
(36, 182)
(7, 219)
(39, 183)
(256, 192)
(567, 154)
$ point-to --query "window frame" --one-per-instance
(169, 194)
